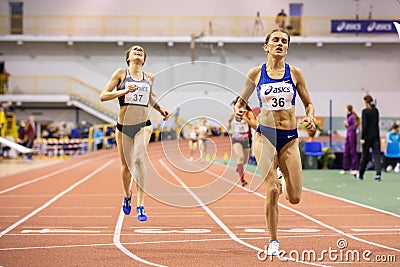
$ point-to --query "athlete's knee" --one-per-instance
(272, 195)
(138, 162)
(124, 169)
(294, 199)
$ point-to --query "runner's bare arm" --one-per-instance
(305, 98)
(108, 92)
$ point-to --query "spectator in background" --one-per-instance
(280, 19)
(84, 129)
(3, 122)
(63, 130)
(98, 136)
(370, 138)
(393, 136)
(110, 135)
(8, 107)
(21, 134)
(350, 146)
(51, 131)
(75, 133)
(4, 77)
(258, 28)
(30, 133)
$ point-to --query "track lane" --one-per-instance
(172, 246)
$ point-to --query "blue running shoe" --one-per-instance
(142, 217)
(126, 207)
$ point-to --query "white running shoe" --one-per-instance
(397, 168)
(273, 248)
(280, 174)
(343, 172)
(354, 172)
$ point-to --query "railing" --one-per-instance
(58, 84)
(124, 25)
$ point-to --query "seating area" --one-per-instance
(313, 151)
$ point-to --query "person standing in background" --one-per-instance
(370, 138)
(30, 135)
(258, 28)
(350, 145)
(280, 19)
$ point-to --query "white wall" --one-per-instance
(341, 72)
(340, 8)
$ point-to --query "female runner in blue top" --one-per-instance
(276, 140)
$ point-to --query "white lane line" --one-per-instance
(118, 244)
(345, 215)
(75, 216)
(155, 242)
(83, 208)
(10, 207)
(352, 202)
(48, 175)
(212, 214)
(215, 217)
(313, 219)
(42, 177)
(51, 201)
(66, 227)
(375, 229)
(326, 195)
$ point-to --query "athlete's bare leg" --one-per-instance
(290, 165)
(203, 149)
(265, 154)
(142, 139)
(238, 150)
(125, 147)
(192, 147)
(246, 154)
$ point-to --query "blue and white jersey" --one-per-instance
(276, 94)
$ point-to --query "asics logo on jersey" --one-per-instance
(143, 88)
(279, 89)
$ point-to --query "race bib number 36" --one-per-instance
(277, 96)
(141, 96)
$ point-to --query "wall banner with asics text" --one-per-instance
(363, 26)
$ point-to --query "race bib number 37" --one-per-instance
(141, 96)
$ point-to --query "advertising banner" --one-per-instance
(363, 26)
